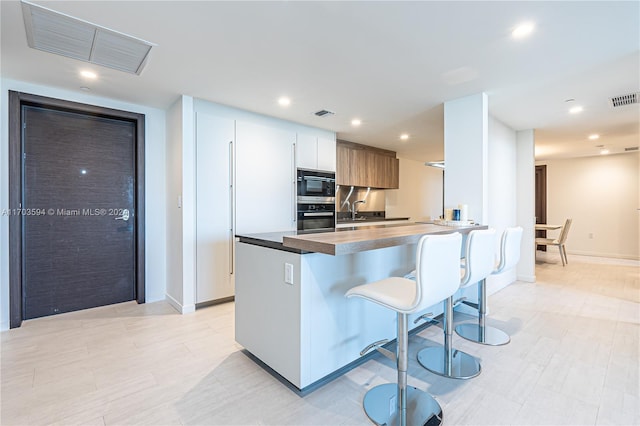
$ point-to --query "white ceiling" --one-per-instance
(391, 64)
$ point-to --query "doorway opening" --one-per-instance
(541, 201)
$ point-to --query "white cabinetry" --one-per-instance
(326, 154)
(265, 179)
(214, 204)
(316, 153)
(307, 151)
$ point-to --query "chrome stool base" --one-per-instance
(483, 334)
(460, 365)
(381, 406)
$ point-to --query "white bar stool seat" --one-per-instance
(509, 258)
(479, 264)
(437, 278)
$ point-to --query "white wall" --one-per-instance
(501, 195)
(174, 209)
(525, 200)
(200, 105)
(155, 197)
(465, 155)
(482, 170)
(601, 195)
(181, 208)
(419, 195)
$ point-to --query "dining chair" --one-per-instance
(560, 241)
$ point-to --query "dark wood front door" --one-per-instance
(78, 210)
(541, 201)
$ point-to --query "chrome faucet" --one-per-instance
(354, 210)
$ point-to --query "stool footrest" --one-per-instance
(378, 347)
(459, 301)
(426, 317)
(473, 305)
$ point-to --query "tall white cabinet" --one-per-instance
(265, 178)
(215, 138)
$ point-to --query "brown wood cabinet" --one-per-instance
(366, 166)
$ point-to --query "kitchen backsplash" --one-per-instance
(345, 196)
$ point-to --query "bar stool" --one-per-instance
(437, 277)
(446, 361)
(509, 257)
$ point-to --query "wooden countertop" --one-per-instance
(357, 240)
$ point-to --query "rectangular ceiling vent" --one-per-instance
(61, 34)
(324, 113)
(631, 148)
(628, 99)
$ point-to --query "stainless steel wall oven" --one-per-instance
(316, 200)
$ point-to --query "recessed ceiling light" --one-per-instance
(604, 151)
(575, 109)
(85, 88)
(356, 122)
(594, 136)
(89, 74)
(523, 30)
(284, 101)
(404, 136)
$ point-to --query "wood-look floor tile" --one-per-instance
(547, 407)
(80, 421)
(163, 414)
(573, 359)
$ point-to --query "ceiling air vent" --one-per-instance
(61, 34)
(631, 148)
(629, 99)
(324, 113)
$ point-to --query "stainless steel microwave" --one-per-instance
(313, 183)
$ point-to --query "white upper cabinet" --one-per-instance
(316, 153)
(214, 207)
(307, 151)
(326, 154)
(265, 178)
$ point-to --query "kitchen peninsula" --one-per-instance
(291, 312)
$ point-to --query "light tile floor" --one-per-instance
(573, 359)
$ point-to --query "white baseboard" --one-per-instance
(527, 278)
(187, 309)
(599, 254)
(493, 288)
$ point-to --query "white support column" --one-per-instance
(525, 201)
(466, 156)
(465, 153)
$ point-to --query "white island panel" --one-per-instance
(268, 319)
(308, 330)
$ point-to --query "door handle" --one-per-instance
(125, 215)
(231, 208)
(294, 181)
